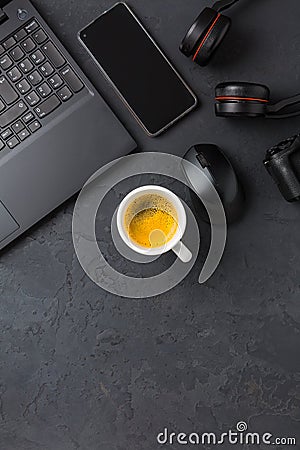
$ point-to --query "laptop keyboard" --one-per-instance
(35, 80)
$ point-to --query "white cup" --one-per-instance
(173, 244)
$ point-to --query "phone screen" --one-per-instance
(143, 77)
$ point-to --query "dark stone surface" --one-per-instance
(82, 369)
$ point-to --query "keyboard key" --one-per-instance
(46, 107)
(6, 134)
(37, 57)
(44, 90)
(16, 53)
(31, 26)
(20, 35)
(18, 126)
(7, 93)
(28, 45)
(14, 74)
(39, 36)
(5, 62)
(12, 142)
(28, 117)
(1, 50)
(12, 114)
(72, 79)
(64, 94)
(23, 86)
(46, 69)
(2, 145)
(9, 43)
(25, 66)
(32, 99)
(34, 126)
(35, 78)
(55, 81)
(2, 106)
(53, 54)
(23, 135)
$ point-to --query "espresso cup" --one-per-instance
(174, 244)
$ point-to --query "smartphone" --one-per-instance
(141, 74)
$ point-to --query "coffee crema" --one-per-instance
(151, 221)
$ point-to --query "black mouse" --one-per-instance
(211, 160)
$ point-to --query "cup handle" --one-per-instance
(182, 252)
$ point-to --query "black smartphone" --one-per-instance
(139, 71)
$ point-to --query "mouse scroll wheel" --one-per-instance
(202, 160)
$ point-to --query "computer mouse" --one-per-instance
(211, 160)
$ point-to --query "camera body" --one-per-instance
(283, 164)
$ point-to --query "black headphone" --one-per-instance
(233, 99)
(207, 32)
(241, 99)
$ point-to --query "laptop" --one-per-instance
(55, 128)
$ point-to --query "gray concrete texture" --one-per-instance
(82, 369)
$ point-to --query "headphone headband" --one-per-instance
(221, 5)
(282, 104)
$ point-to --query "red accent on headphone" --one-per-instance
(249, 99)
(206, 36)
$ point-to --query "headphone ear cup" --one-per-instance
(197, 31)
(238, 99)
(212, 40)
(243, 90)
